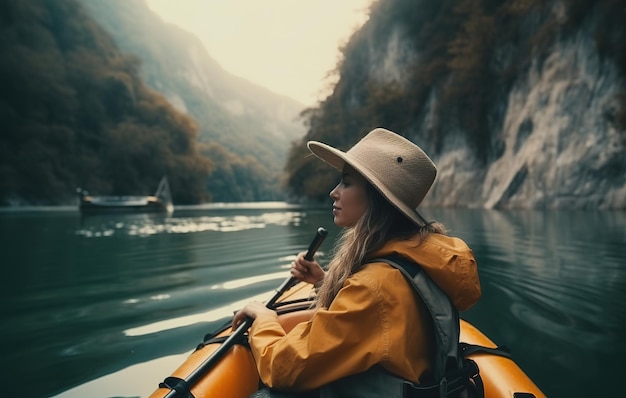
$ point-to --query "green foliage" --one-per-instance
(236, 177)
(245, 119)
(469, 53)
(75, 113)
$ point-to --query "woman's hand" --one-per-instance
(305, 270)
(251, 310)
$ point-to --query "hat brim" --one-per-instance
(338, 159)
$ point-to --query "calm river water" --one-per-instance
(107, 306)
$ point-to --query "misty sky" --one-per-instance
(287, 46)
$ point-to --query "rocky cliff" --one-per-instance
(560, 148)
(521, 104)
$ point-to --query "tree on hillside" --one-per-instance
(75, 113)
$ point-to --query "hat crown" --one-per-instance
(399, 166)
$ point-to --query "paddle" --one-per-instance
(183, 386)
(315, 244)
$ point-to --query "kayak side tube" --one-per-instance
(501, 376)
(236, 376)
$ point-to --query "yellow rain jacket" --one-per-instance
(376, 318)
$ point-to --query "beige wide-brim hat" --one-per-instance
(395, 166)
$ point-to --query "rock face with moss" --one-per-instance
(522, 104)
(560, 146)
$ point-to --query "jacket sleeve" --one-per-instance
(347, 338)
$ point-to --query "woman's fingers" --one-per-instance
(307, 271)
(300, 271)
(298, 268)
(237, 319)
(242, 314)
(251, 310)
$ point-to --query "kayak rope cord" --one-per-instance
(177, 384)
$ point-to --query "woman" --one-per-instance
(369, 327)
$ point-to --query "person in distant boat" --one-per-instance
(370, 330)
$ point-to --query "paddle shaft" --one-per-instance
(315, 244)
(208, 363)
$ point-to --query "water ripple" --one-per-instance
(147, 226)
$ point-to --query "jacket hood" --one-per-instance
(448, 261)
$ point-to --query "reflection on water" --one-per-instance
(208, 316)
(150, 224)
(553, 290)
(111, 304)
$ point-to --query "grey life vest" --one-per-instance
(377, 382)
(444, 314)
(453, 375)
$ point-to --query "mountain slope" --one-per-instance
(248, 120)
(74, 112)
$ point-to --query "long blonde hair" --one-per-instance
(380, 223)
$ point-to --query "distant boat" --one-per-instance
(161, 201)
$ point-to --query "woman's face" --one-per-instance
(349, 198)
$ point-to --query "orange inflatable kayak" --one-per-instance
(234, 373)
